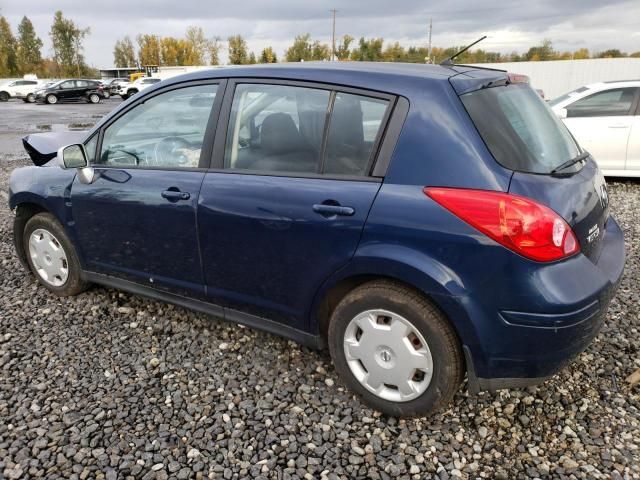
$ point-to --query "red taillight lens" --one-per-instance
(519, 223)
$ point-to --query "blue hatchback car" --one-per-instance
(421, 221)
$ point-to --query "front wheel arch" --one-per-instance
(24, 211)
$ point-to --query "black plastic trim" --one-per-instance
(309, 340)
(390, 137)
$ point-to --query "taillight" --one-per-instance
(519, 223)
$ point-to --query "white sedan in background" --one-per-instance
(605, 119)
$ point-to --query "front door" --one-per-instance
(137, 219)
(601, 123)
(288, 206)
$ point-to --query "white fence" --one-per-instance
(561, 76)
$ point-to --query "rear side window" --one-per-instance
(284, 129)
(614, 102)
(519, 128)
(353, 131)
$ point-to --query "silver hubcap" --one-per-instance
(48, 257)
(388, 355)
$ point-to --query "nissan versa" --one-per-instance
(420, 221)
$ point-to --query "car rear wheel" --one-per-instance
(394, 348)
(51, 256)
(31, 98)
(131, 93)
(52, 99)
(4, 97)
(94, 98)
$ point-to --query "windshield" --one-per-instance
(519, 128)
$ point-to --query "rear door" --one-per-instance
(286, 204)
(137, 219)
(602, 122)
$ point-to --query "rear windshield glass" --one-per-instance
(519, 128)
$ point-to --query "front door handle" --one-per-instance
(173, 195)
(332, 210)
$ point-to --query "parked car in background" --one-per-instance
(23, 89)
(422, 221)
(605, 119)
(126, 90)
(71, 90)
(113, 84)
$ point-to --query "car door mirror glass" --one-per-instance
(73, 156)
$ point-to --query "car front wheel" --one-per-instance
(51, 99)
(4, 97)
(51, 256)
(94, 98)
(395, 349)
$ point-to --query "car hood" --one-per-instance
(42, 147)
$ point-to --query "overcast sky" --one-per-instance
(511, 26)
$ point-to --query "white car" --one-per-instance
(23, 89)
(125, 90)
(605, 119)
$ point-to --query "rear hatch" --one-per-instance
(525, 136)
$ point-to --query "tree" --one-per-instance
(268, 56)
(8, 58)
(213, 47)
(395, 53)
(149, 49)
(320, 51)
(611, 53)
(67, 39)
(124, 55)
(369, 50)
(174, 51)
(196, 46)
(342, 50)
(581, 54)
(29, 45)
(252, 59)
(635, 54)
(300, 50)
(238, 53)
(541, 52)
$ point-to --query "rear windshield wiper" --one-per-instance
(570, 162)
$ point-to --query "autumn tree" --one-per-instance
(28, 53)
(197, 45)
(268, 56)
(541, 52)
(124, 54)
(238, 51)
(300, 50)
(343, 48)
(611, 53)
(66, 39)
(213, 48)
(148, 49)
(8, 57)
(369, 50)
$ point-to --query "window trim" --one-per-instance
(209, 132)
(384, 136)
(630, 112)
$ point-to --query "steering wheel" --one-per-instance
(166, 151)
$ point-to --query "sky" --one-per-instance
(510, 26)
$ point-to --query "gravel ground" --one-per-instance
(109, 385)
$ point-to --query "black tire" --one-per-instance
(51, 99)
(448, 363)
(93, 98)
(74, 283)
(4, 97)
(124, 97)
(31, 98)
(131, 93)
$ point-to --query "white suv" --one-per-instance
(19, 89)
(605, 119)
(126, 90)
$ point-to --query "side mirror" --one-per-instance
(75, 156)
(562, 113)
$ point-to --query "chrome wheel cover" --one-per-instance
(48, 257)
(388, 355)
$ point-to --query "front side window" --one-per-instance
(166, 130)
(353, 131)
(614, 102)
(276, 128)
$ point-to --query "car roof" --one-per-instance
(381, 76)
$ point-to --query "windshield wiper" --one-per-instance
(570, 162)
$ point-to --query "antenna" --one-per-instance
(449, 61)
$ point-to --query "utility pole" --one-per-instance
(429, 60)
(333, 35)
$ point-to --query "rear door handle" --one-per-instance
(175, 195)
(331, 210)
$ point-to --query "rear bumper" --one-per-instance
(523, 348)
